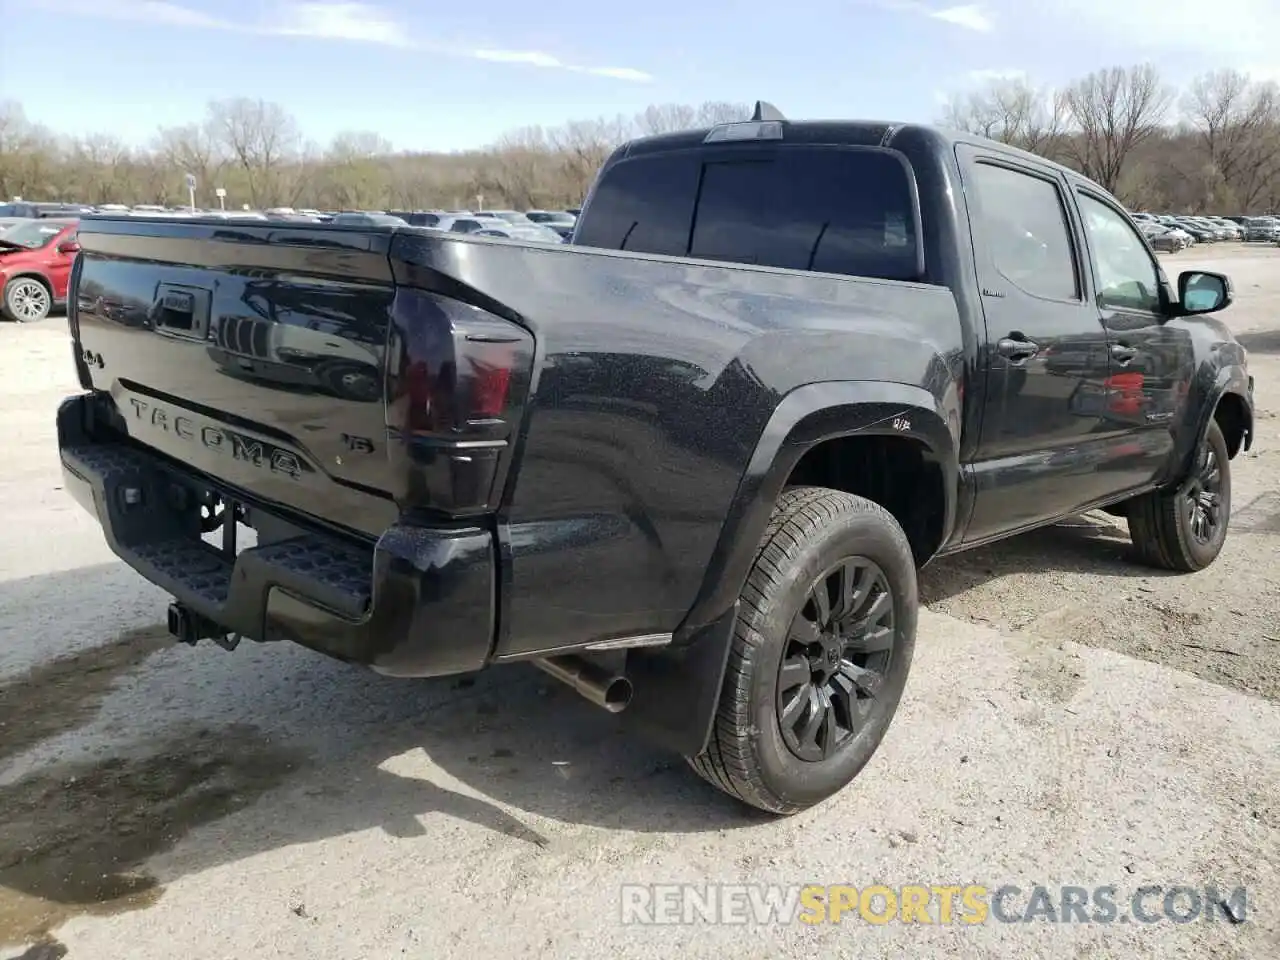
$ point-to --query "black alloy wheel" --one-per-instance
(837, 654)
(1203, 494)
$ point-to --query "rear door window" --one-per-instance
(644, 205)
(1027, 232)
(836, 210)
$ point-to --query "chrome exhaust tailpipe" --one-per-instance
(604, 688)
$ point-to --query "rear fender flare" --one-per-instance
(677, 689)
(807, 416)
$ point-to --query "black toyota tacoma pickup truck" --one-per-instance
(688, 463)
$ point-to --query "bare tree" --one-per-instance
(263, 141)
(101, 164)
(1236, 120)
(194, 149)
(1227, 154)
(1012, 111)
(354, 169)
(1114, 111)
(584, 145)
(673, 117)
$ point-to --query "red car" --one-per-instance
(35, 267)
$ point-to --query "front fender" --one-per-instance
(1231, 378)
(806, 417)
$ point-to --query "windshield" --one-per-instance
(34, 235)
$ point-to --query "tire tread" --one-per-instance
(728, 762)
(1160, 538)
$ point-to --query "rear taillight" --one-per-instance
(449, 393)
(458, 380)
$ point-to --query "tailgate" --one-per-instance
(255, 354)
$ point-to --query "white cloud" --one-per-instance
(617, 73)
(970, 16)
(531, 57)
(357, 22)
(536, 58)
(334, 20)
(995, 75)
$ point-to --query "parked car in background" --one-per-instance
(232, 214)
(421, 218)
(1230, 228)
(472, 224)
(24, 210)
(35, 267)
(561, 221)
(291, 215)
(1164, 238)
(1264, 229)
(351, 219)
(510, 216)
(1199, 232)
(514, 231)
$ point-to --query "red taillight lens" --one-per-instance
(490, 384)
(458, 365)
(458, 380)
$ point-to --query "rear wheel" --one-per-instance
(26, 300)
(820, 654)
(1185, 530)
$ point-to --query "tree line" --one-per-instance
(1212, 147)
(256, 152)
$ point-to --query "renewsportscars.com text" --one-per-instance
(965, 904)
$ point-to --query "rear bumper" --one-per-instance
(420, 602)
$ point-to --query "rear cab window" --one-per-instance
(834, 209)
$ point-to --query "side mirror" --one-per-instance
(70, 246)
(1203, 292)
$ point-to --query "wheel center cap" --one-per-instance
(833, 656)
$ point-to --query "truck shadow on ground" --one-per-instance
(139, 762)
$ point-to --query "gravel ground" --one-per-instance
(1071, 720)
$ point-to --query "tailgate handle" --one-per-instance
(182, 310)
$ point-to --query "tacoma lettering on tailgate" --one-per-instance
(257, 453)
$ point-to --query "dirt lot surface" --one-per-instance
(1072, 719)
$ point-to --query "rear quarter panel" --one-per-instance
(655, 380)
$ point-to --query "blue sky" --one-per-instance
(429, 74)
